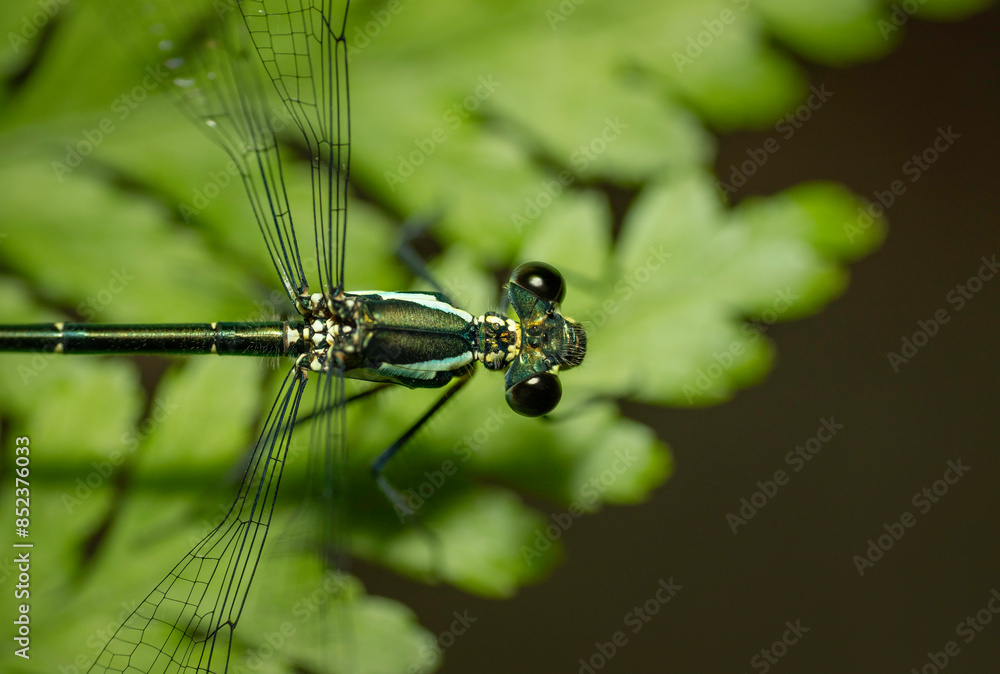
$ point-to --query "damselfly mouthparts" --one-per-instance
(414, 339)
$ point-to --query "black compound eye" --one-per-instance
(536, 395)
(541, 279)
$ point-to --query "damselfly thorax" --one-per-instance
(420, 340)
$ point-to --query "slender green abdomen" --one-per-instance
(232, 339)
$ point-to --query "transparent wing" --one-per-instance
(328, 470)
(216, 61)
(302, 46)
(326, 522)
(186, 623)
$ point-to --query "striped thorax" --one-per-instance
(419, 339)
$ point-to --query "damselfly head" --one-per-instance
(547, 340)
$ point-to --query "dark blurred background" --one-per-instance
(795, 559)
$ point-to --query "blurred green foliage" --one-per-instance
(539, 105)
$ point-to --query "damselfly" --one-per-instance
(414, 339)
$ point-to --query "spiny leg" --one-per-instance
(402, 508)
(379, 464)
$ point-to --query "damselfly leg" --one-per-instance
(399, 503)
